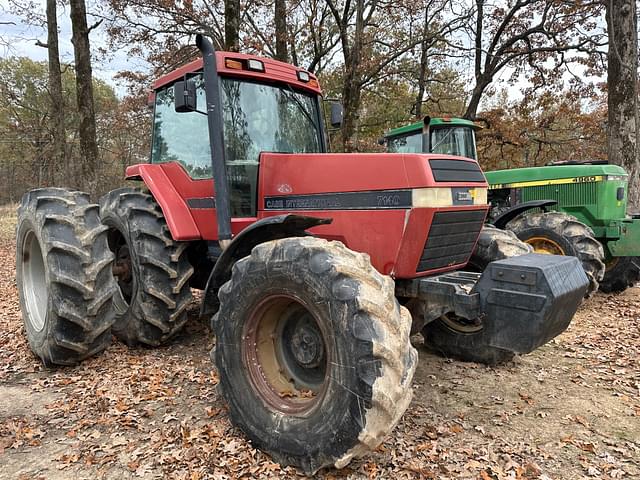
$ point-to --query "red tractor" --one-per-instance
(305, 258)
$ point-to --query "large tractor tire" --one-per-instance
(463, 339)
(621, 273)
(152, 270)
(561, 234)
(496, 244)
(313, 352)
(63, 272)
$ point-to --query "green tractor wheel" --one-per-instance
(621, 273)
(557, 233)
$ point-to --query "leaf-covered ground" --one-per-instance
(569, 410)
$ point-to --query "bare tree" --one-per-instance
(622, 82)
(367, 52)
(528, 33)
(84, 90)
(440, 21)
(55, 92)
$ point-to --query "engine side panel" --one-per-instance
(368, 196)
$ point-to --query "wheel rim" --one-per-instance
(285, 353)
(122, 269)
(461, 325)
(34, 282)
(612, 262)
(545, 246)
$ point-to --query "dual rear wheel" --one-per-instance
(63, 273)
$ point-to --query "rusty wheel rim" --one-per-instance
(461, 325)
(284, 351)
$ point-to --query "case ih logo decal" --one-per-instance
(388, 199)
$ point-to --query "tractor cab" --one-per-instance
(267, 106)
(448, 136)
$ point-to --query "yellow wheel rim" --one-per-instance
(545, 246)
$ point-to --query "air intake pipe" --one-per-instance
(216, 139)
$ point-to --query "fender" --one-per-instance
(174, 208)
(267, 229)
(505, 217)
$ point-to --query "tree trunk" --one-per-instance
(481, 82)
(424, 50)
(280, 14)
(232, 25)
(351, 86)
(622, 81)
(84, 93)
(57, 162)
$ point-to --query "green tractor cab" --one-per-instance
(446, 135)
(567, 208)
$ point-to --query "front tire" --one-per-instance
(313, 352)
(621, 273)
(561, 234)
(496, 244)
(63, 273)
(152, 269)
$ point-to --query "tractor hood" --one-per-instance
(533, 176)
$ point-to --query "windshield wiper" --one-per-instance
(446, 135)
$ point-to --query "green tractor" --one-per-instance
(566, 208)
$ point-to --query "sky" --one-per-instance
(22, 39)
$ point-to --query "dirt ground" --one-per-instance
(569, 410)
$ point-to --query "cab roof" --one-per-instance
(435, 122)
(274, 71)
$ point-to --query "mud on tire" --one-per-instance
(63, 272)
(313, 352)
(565, 232)
(621, 273)
(496, 244)
(152, 269)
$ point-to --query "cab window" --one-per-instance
(256, 118)
(410, 143)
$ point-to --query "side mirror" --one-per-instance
(336, 114)
(185, 96)
(382, 141)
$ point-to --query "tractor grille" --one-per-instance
(451, 238)
(569, 195)
(456, 171)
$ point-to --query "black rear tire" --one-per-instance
(564, 233)
(344, 404)
(152, 269)
(622, 273)
(456, 338)
(63, 273)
